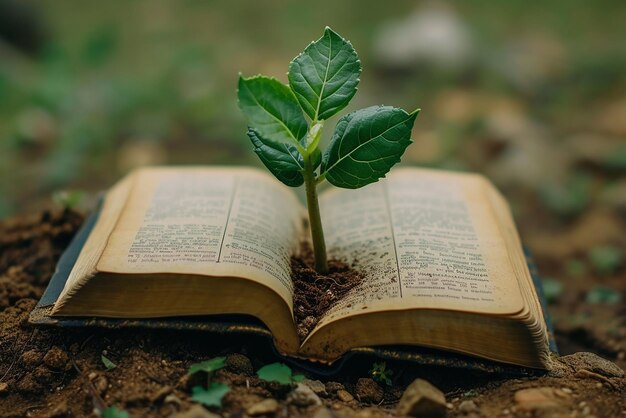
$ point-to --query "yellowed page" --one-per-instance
(208, 221)
(424, 239)
(85, 266)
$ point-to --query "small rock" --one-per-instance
(238, 363)
(468, 406)
(536, 399)
(265, 407)
(332, 387)
(92, 375)
(344, 395)
(171, 398)
(367, 390)
(60, 410)
(4, 388)
(302, 395)
(316, 386)
(101, 384)
(56, 359)
(196, 411)
(324, 413)
(30, 359)
(161, 393)
(592, 362)
(421, 399)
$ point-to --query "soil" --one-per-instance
(47, 372)
(316, 293)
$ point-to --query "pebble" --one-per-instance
(344, 395)
(302, 395)
(592, 362)
(265, 407)
(56, 359)
(421, 399)
(196, 411)
(171, 398)
(537, 399)
(316, 386)
(101, 384)
(468, 406)
(4, 387)
(367, 390)
(238, 363)
(332, 387)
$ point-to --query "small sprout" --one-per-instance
(381, 373)
(285, 126)
(575, 268)
(113, 412)
(552, 289)
(68, 199)
(606, 259)
(211, 396)
(208, 366)
(472, 393)
(278, 372)
(107, 362)
(604, 295)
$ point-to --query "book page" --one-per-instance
(423, 239)
(216, 222)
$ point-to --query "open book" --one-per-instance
(442, 262)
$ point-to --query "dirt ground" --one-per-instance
(59, 372)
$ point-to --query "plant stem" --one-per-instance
(315, 221)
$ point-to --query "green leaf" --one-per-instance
(283, 160)
(366, 144)
(552, 289)
(606, 260)
(298, 377)
(325, 76)
(107, 363)
(271, 109)
(603, 295)
(211, 396)
(276, 372)
(113, 412)
(208, 366)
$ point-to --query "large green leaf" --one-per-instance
(324, 77)
(282, 159)
(366, 144)
(271, 109)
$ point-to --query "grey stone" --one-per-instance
(302, 395)
(421, 399)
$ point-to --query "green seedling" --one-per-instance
(113, 412)
(211, 396)
(278, 372)
(208, 366)
(285, 125)
(552, 289)
(381, 373)
(69, 199)
(107, 362)
(603, 295)
(606, 260)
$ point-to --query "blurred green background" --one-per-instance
(531, 94)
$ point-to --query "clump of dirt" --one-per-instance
(28, 253)
(316, 293)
